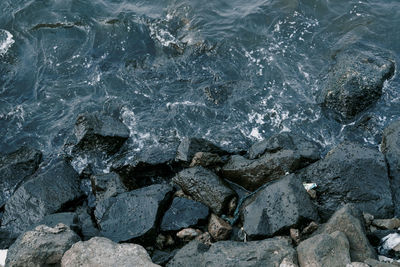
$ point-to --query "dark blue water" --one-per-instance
(231, 71)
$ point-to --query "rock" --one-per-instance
(391, 149)
(277, 207)
(206, 160)
(43, 246)
(309, 229)
(15, 168)
(184, 213)
(312, 193)
(100, 251)
(205, 238)
(107, 185)
(324, 250)
(218, 228)
(368, 218)
(295, 235)
(206, 187)
(49, 191)
(375, 263)
(351, 173)
(269, 252)
(133, 214)
(162, 257)
(70, 219)
(375, 236)
(188, 234)
(190, 146)
(390, 245)
(86, 224)
(98, 132)
(389, 224)
(357, 264)
(349, 220)
(355, 82)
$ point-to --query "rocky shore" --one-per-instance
(281, 203)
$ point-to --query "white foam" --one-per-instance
(391, 241)
(6, 41)
(3, 255)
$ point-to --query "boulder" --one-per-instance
(87, 227)
(43, 246)
(355, 82)
(49, 191)
(324, 250)
(100, 251)
(184, 213)
(218, 228)
(391, 149)
(134, 214)
(206, 187)
(206, 160)
(349, 220)
(107, 185)
(98, 132)
(15, 167)
(190, 146)
(69, 219)
(269, 252)
(351, 173)
(277, 207)
(388, 224)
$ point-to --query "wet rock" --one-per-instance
(269, 252)
(188, 234)
(206, 187)
(351, 173)
(278, 207)
(389, 224)
(107, 185)
(206, 160)
(190, 146)
(184, 213)
(98, 132)
(391, 149)
(349, 220)
(355, 82)
(133, 214)
(43, 246)
(390, 245)
(324, 250)
(15, 168)
(100, 251)
(49, 191)
(218, 228)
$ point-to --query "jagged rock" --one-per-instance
(218, 228)
(15, 167)
(355, 82)
(43, 246)
(389, 224)
(277, 207)
(69, 219)
(391, 149)
(184, 213)
(349, 220)
(49, 191)
(206, 187)
(133, 214)
(86, 224)
(190, 146)
(269, 252)
(351, 173)
(107, 185)
(324, 250)
(206, 160)
(100, 251)
(98, 132)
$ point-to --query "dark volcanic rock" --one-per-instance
(43, 246)
(351, 173)
(355, 82)
(87, 226)
(184, 213)
(15, 168)
(69, 219)
(268, 252)
(206, 187)
(190, 146)
(133, 214)
(206, 160)
(349, 220)
(98, 132)
(279, 206)
(107, 185)
(51, 190)
(391, 149)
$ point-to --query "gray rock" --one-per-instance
(389, 224)
(375, 263)
(107, 185)
(86, 224)
(351, 173)
(349, 220)
(98, 132)
(162, 257)
(324, 250)
(190, 255)
(391, 149)
(278, 207)
(133, 214)
(206, 187)
(43, 246)
(206, 160)
(184, 213)
(190, 146)
(15, 168)
(100, 251)
(69, 219)
(48, 192)
(355, 82)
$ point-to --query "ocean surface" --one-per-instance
(233, 72)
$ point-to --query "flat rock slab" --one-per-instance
(279, 206)
(184, 213)
(351, 173)
(100, 251)
(132, 214)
